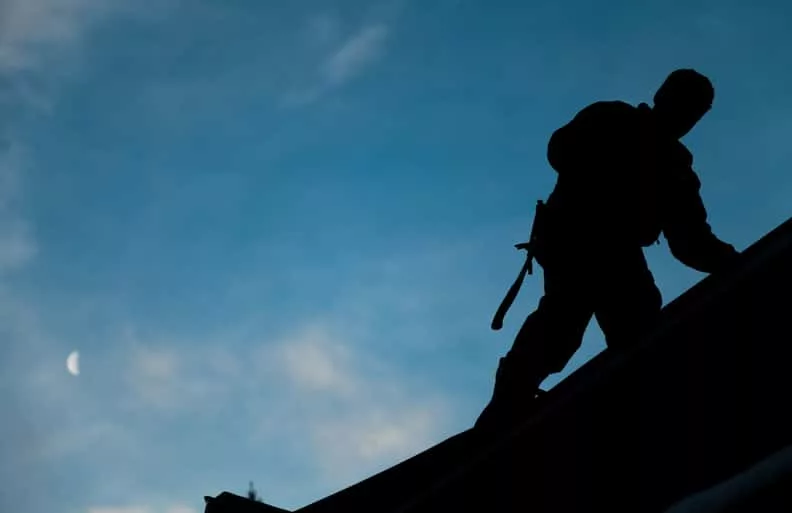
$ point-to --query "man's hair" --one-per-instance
(686, 86)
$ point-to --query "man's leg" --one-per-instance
(628, 302)
(546, 341)
(550, 336)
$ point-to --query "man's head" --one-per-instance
(682, 101)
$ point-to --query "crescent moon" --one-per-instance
(73, 363)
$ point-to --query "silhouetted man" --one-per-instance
(623, 179)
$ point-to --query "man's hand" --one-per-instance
(730, 259)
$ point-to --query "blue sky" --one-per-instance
(276, 232)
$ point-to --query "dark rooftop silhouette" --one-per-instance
(699, 400)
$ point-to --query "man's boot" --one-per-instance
(513, 398)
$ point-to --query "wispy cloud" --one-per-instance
(357, 412)
(35, 36)
(373, 436)
(167, 377)
(17, 246)
(354, 54)
(28, 25)
(313, 361)
(156, 376)
(41, 41)
(349, 412)
(344, 62)
(83, 437)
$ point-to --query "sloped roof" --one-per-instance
(697, 401)
(763, 488)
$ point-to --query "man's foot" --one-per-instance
(500, 414)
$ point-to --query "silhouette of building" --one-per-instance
(694, 418)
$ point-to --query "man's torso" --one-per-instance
(618, 176)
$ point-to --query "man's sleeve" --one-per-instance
(688, 233)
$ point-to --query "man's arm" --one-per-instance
(688, 233)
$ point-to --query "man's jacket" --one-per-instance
(621, 181)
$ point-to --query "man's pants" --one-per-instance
(613, 285)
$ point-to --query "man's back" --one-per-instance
(616, 172)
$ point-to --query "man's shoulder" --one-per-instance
(610, 107)
(610, 112)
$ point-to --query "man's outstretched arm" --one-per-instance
(688, 233)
